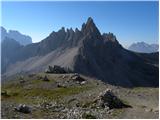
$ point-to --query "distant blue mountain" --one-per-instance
(13, 34)
(143, 47)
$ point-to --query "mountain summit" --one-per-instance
(89, 27)
(87, 52)
(16, 35)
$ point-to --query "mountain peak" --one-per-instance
(90, 20)
(90, 23)
(90, 27)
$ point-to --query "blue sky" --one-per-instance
(129, 21)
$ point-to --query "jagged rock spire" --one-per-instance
(90, 27)
(109, 37)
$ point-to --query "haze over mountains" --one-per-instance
(85, 51)
(13, 34)
(144, 47)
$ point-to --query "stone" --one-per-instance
(61, 86)
(64, 76)
(108, 99)
(77, 78)
(4, 93)
(22, 81)
(23, 108)
(45, 78)
(83, 82)
(57, 69)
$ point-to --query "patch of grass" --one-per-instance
(37, 81)
(19, 94)
(140, 89)
(88, 116)
(125, 102)
(89, 104)
(116, 112)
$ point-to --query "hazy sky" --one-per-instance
(129, 21)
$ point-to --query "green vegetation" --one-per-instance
(20, 94)
(116, 112)
(143, 89)
(88, 116)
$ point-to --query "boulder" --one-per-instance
(108, 99)
(55, 69)
(45, 78)
(77, 78)
(23, 108)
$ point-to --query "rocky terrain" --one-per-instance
(48, 95)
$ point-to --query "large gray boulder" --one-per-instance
(108, 99)
(57, 69)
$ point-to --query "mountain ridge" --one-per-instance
(87, 52)
(16, 35)
(143, 47)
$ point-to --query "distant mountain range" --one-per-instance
(84, 51)
(13, 34)
(143, 47)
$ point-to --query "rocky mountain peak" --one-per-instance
(76, 30)
(109, 37)
(90, 27)
(16, 35)
(90, 21)
(62, 30)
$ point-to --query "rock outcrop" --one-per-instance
(57, 70)
(108, 99)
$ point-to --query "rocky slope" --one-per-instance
(88, 52)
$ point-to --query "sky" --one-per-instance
(130, 21)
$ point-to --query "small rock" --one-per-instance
(45, 78)
(83, 82)
(23, 108)
(22, 81)
(77, 78)
(4, 93)
(64, 76)
(155, 110)
(61, 86)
